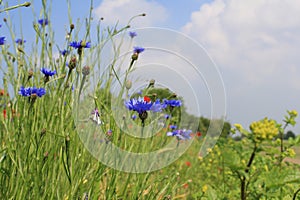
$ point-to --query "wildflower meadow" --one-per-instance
(75, 122)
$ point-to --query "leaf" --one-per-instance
(211, 193)
(231, 159)
(4, 171)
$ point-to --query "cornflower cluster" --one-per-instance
(142, 105)
(31, 91)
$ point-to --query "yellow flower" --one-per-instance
(239, 127)
(204, 188)
(264, 129)
(290, 153)
(228, 172)
(244, 141)
(278, 141)
(244, 162)
(293, 113)
(266, 168)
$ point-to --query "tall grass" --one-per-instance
(42, 156)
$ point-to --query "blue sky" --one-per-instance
(178, 11)
(255, 44)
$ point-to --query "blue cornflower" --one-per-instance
(38, 91)
(81, 44)
(133, 117)
(109, 132)
(64, 52)
(0, 25)
(132, 34)
(167, 116)
(139, 105)
(140, 92)
(173, 127)
(23, 91)
(181, 134)
(48, 72)
(43, 22)
(172, 102)
(2, 40)
(138, 50)
(157, 106)
(26, 92)
(20, 41)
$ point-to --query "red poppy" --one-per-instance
(2, 93)
(199, 134)
(185, 186)
(147, 99)
(4, 113)
(187, 163)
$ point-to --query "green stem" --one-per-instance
(281, 142)
(295, 194)
(243, 179)
(67, 162)
(81, 86)
(25, 4)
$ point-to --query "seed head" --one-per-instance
(73, 63)
(128, 84)
(27, 4)
(86, 70)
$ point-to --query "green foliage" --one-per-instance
(289, 134)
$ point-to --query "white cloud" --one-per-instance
(257, 38)
(122, 10)
(256, 44)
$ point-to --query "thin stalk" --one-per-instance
(295, 194)
(281, 142)
(25, 4)
(81, 86)
(243, 178)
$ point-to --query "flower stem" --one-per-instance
(243, 179)
(281, 143)
(25, 4)
(81, 86)
(295, 194)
